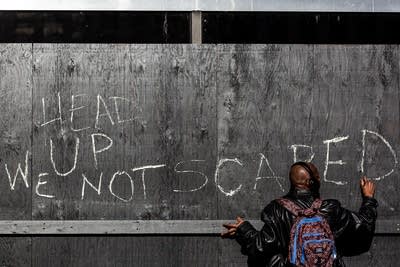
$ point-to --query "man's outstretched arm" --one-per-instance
(259, 246)
(355, 230)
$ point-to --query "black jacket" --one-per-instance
(353, 231)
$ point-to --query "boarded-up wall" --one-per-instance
(187, 132)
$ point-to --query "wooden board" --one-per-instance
(127, 251)
(273, 99)
(214, 126)
(16, 251)
(262, 100)
(119, 88)
(383, 252)
(358, 95)
(189, 134)
(161, 123)
(197, 131)
(15, 131)
(139, 227)
(124, 251)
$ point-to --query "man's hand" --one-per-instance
(367, 187)
(232, 227)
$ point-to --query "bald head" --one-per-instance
(300, 177)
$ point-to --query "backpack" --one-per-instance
(311, 239)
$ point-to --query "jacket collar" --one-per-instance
(295, 192)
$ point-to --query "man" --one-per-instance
(352, 231)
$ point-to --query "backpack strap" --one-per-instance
(290, 206)
(316, 205)
(296, 210)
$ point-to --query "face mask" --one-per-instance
(314, 185)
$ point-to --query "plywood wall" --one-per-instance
(187, 132)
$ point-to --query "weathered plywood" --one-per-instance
(113, 227)
(161, 123)
(275, 99)
(15, 251)
(124, 251)
(15, 131)
(190, 134)
(214, 127)
(140, 227)
(119, 87)
(383, 252)
(356, 94)
(263, 108)
(155, 251)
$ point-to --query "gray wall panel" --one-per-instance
(217, 125)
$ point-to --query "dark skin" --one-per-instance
(300, 178)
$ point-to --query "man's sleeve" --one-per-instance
(354, 231)
(261, 245)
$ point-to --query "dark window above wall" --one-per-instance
(217, 27)
(299, 27)
(94, 27)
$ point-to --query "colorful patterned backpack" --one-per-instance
(311, 239)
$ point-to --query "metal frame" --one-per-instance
(206, 5)
(139, 227)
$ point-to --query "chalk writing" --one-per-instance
(329, 162)
(295, 147)
(102, 143)
(102, 111)
(143, 169)
(40, 183)
(86, 181)
(75, 158)
(364, 132)
(59, 118)
(216, 177)
(120, 173)
(191, 171)
(97, 151)
(23, 173)
(118, 99)
(73, 109)
(98, 114)
(259, 177)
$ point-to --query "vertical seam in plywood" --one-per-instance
(31, 159)
(216, 120)
(31, 141)
(217, 52)
(311, 138)
(398, 79)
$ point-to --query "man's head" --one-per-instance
(304, 175)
